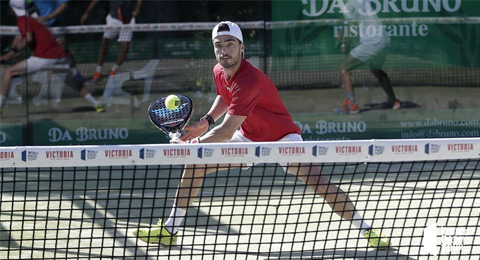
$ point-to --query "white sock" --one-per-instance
(99, 69)
(358, 222)
(2, 101)
(91, 99)
(175, 220)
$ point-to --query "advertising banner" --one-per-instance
(422, 33)
(380, 125)
(11, 134)
(86, 132)
(314, 127)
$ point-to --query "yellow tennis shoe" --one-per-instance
(99, 108)
(376, 239)
(157, 234)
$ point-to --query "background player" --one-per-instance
(372, 50)
(120, 13)
(46, 52)
(251, 103)
(51, 14)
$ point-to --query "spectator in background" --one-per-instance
(372, 50)
(46, 52)
(120, 13)
(50, 13)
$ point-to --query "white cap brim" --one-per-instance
(19, 12)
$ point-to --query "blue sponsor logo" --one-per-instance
(262, 151)
(375, 150)
(205, 152)
(147, 153)
(432, 148)
(88, 154)
(29, 156)
(319, 150)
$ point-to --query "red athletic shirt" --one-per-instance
(44, 44)
(251, 93)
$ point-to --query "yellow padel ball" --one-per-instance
(172, 102)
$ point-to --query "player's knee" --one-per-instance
(343, 72)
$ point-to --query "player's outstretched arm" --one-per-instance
(17, 47)
(85, 15)
(138, 7)
(194, 130)
(225, 130)
(12, 53)
(218, 109)
(60, 9)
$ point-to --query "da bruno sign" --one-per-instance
(83, 134)
(441, 32)
(134, 131)
(316, 8)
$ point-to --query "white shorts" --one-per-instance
(123, 35)
(238, 137)
(370, 52)
(36, 63)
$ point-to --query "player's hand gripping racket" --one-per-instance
(171, 122)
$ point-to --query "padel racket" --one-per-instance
(171, 122)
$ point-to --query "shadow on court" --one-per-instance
(6, 241)
(293, 255)
(341, 254)
(384, 105)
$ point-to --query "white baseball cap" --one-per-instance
(232, 29)
(19, 7)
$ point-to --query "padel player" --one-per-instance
(121, 12)
(46, 52)
(251, 103)
(372, 50)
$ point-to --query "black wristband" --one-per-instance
(209, 119)
(15, 50)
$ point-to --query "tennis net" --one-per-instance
(84, 202)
